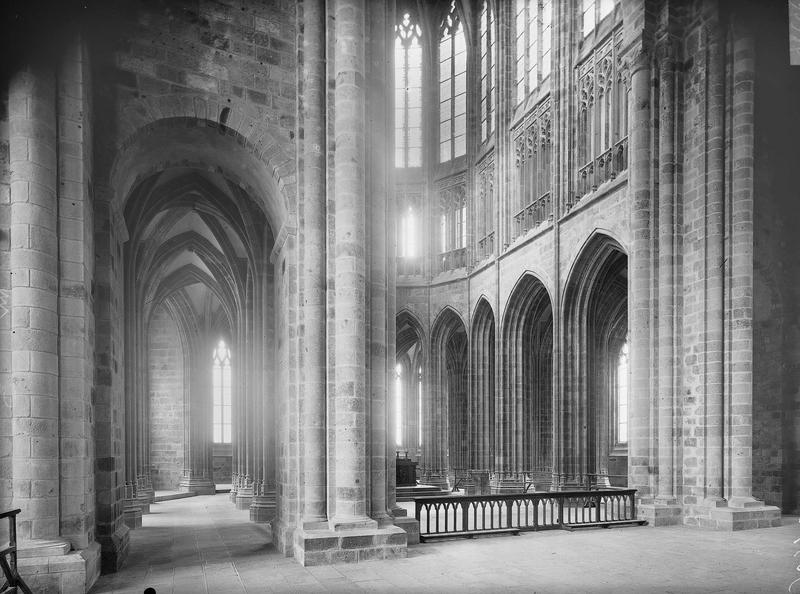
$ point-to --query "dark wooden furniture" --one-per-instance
(8, 558)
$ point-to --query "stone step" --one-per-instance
(605, 524)
(409, 493)
(172, 496)
(42, 548)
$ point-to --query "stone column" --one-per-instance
(667, 361)
(111, 531)
(640, 131)
(34, 304)
(741, 281)
(263, 508)
(141, 422)
(244, 495)
(434, 408)
(313, 228)
(381, 39)
(350, 398)
(714, 267)
(130, 395)
(259, 360)
(197, 474)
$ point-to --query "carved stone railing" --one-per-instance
(453, 259)
(458, 515)
(410, 266)
(485, 247)
(530, 217)
(604, 168)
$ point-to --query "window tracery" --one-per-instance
(452, 87)
(408, 92)
(488, 70)
(602, 121)
(221, 387)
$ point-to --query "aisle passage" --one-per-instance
(203, 545)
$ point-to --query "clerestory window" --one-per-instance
(408, 234)
(452, 87)
(534, 30)
(488, 70)
(408, 93)
(594, 11)
(221, 386)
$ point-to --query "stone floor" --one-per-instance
(203, 545)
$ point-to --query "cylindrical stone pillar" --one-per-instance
(666, 277)
(349, 398)
(313, 223)
(714, 266)
(381, 39)
(640, 274)
(741, 480)
(34, 304)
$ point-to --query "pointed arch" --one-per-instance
(482, 396)
(595, 328)
(445, 419)
(408, 388)
(527, 383)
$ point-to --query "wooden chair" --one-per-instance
(8, 558)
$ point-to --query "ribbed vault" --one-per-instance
(198, 249)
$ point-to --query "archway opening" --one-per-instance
(527, 440)
(596, 383)
(445, 453)
(199, 337)
(483, 430)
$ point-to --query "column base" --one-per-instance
(144, 502)
(411, 526)
(199, 486)
(540, 480)
(263, 508)
(132, 514)
(742, 518)
(50, 566)
(244, 497)
(147, 493)
(325, 547)
(659, 512)
(398, 512)
(569, 482)
(501, 484)
(479, 483)
(114, 549)
(741, 513)
(435, 478)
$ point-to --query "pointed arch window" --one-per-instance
(398, 403)
(452, 87)
(594, 11)
(221, 386)
(488, 70)
(407, 243)
(622, 395)
(408, 92)
(533, 23)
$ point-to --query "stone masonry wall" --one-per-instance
(224, 61)
(5, 304)
(776, 387)
(166, 390)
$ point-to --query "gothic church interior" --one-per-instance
(279, 247)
